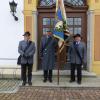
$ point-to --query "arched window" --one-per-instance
(47, 2)
(71, 2)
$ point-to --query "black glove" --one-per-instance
(24, 56)
(29, 57)
(84, 65)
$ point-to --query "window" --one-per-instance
(46, 21)
(72, 2)
(70, 21)
(47, 2)
(77, 21)
(76, 2)
(45, 30)
(48, 24)
(75, 25)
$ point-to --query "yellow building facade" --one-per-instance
(94, 6)
(93, 31)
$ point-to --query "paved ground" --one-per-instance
(47, 93)
(88, 90)
(9, 85)
(11, 89)
(64, 82)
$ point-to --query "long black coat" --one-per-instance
(48, 54)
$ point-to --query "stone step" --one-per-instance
(62, 73)
(65, 73)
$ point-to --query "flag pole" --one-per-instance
(60, 16)
(58, 58)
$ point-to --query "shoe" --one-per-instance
(71, 81)
(24, 83)
(45, 80)
(30, 83)
(50, 80)
(79, 82)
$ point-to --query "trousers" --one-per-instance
(48, 74)
(26, 72)
(79, 72)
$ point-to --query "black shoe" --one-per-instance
(71, 81)
(30, 83)
(45, 80)
(24, 83)
(50, 80)
(79, 82)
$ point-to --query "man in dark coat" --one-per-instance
(47, 54)
(26, 49)
(77, 56)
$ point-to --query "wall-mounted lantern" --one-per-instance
(13, 7)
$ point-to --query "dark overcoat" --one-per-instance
(47, 54)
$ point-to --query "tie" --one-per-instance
(76, 43)
(27, 42)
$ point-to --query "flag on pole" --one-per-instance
(60, 21)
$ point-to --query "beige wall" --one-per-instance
(97, 38)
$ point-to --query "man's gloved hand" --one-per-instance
(84, 65)
(24, 56)
(29, 56)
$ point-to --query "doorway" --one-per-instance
(76, 20)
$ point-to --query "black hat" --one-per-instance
(27, 33)
(77, 35)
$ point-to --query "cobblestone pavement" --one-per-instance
(47, 93)
(9, 85)
(11, 89)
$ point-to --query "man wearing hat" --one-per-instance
(26, 49)
(77, 56)
(47, 55)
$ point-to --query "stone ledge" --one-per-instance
(66, 73)
(63, 73)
